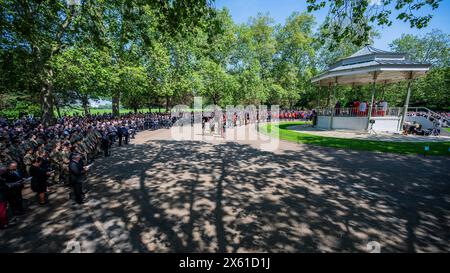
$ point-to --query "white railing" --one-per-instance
(428, 114)
(356, 112)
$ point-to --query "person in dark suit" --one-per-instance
(77, 173)
(119, 134)
(39, 179)
(105, 143)
(14, 182)
(45, 161)
(4, 221)
(125, 134)
(313, 118)
(337, 107)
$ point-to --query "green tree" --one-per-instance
(433, 90)
(252, 59)
(434, 47)
(35, 32)
(294, 57)
(134, 85)
(218, 85)
(81, 74)
(263, 43)
(38, 31)
(253, 90)
(353, 20)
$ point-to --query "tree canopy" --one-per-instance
(147, 54)
(353, 20)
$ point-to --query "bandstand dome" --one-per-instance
(359, 68)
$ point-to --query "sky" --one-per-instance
(279, 10)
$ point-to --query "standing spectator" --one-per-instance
(39, 180)
(105, 143)
(13, 181)
(363, 108)
(3, 201)
(384, 107)
(125, 134)
(28, 159)
(119, 134)
(77, 173)
(338, 108)
(313, 117)
(356, 105)
(45, 162)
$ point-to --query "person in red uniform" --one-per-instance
(356, 108)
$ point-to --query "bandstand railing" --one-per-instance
(357, 112)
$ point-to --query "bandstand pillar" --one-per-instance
(408, 96)
(334, 101)
(369, 115)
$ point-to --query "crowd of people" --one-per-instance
(361, 108)
(61, 154)
(40, 156)
(224, 120)
(293, 114)
(439, 119)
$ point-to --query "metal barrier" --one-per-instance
(428, 114)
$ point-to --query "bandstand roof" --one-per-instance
(368, 64)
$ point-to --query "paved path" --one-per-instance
(365, 136)
(163, 195)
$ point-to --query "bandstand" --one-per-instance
(368, 66)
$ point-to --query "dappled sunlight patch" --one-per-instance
(189, 196)
(154, 240)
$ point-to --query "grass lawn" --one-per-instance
(436, 148)
(447, 129)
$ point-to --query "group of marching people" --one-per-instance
(221, 120)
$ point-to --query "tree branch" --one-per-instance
(70, 15)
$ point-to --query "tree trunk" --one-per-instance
(85, 103)
(167, 104)
(116, 104)
(58, 111)
(47, 100)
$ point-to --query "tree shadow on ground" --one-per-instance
(189, 196)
